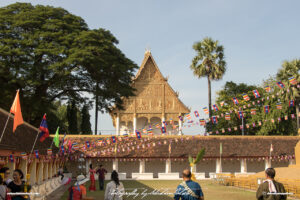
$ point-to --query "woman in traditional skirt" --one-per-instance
(92, 178)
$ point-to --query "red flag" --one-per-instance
(16, 110)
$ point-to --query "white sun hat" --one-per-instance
(81, 180)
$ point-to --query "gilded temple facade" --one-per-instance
(155, 102)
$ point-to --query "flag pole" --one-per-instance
(35, 142)
(5, 127)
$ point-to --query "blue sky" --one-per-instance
(257, 36)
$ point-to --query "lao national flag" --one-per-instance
(113, 139)
(215, 107)
(241, 115)
(291, 103)
(235, 100)
(267, 109)
(44, 129)
(163, 130)
(180, 118)
(36, 153)
(62, 149)
(196, 113)
(11, 158)
(138, 134)
(214, 119)
(256, 94)
(87, 144)
(165, 123)
(280, 84)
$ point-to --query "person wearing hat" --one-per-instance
(78, 191)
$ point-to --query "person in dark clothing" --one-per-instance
(17, 185)
(101, 176)
(269, 188)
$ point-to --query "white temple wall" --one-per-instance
(129, 167)
(155, 167)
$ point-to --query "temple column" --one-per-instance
(142, 166)
(267, 163)
(168, 166)
(115, 165)
(118, 124)
(87, 165)
(243, 165)
(134, 123)
(23, 167)
(32, 172)
(40, 173)
(218, 165)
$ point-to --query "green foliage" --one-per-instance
(85, 121)
(230, 90)
(72, 118)
(209, 61)
(198, 157)
(50, 55)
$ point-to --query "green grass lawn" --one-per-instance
(211, 190)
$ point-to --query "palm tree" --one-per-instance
(291, 69)
(209, 62)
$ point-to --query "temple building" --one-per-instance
(155, 102)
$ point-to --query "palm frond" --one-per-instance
(190, 159)
(199, 155)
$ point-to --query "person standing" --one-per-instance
(78, 191)
(268, 189)
(6, 172)
(3, 190)
(92, 178)
(188, 189)
(101, 176)
(17, 185)
(114, 189)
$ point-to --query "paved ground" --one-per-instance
(58, 193)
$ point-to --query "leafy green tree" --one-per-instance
(291, 69)
(72, 118)
(85, 121)
(51, 55)
(209, 62)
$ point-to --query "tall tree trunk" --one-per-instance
(96, 110)
(209, 125)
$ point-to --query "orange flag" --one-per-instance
(16, 110)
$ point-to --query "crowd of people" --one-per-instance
(114, 190)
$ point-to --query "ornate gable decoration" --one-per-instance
(153, 93)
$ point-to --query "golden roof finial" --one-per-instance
(147, 50)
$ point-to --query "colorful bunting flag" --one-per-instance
(180, 118)
(163, 130)
(202, 122)
(291, 103)
(280, 84)
(222, 103)
(36, 153)
(256, 93)
(188, 116)
(266, 109)
(138, 134)
(253, 111)
(196, 113)
(267, 88)
(205, 109)
(241, 115)
(24, 155)
(235, 101)
(227, 116)
(279, 106)
(215, 107)
(293, 81)
(49, 152)
(246, 97)
(214, 119)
